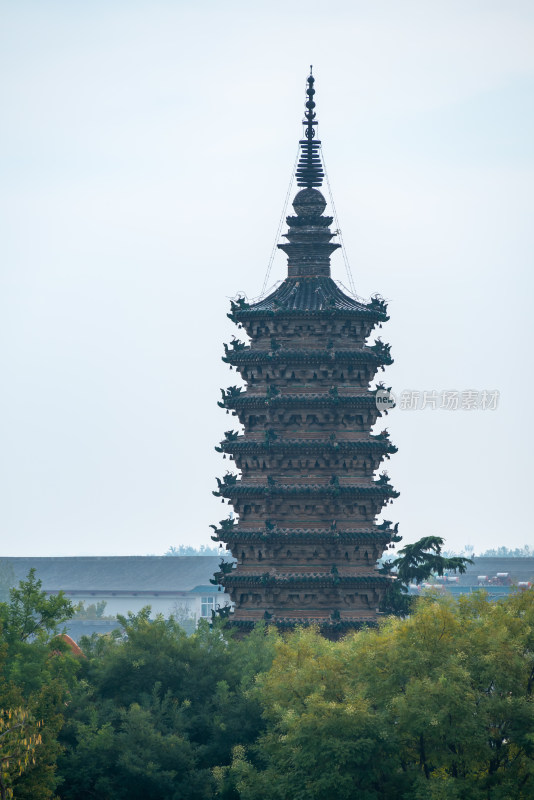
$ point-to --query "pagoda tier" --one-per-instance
(305, 536)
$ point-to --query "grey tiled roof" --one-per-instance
(123, 573)
(309, 294)
(520, 569)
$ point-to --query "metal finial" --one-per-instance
(310, 169)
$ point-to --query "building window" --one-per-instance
(207, 605)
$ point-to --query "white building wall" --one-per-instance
(179, 605)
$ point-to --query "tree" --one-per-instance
(18, 740)
(189, 550)
(156, 710)
(322, 738)
(37, 672)
(92, 611)
(31, 615)
(416, 563)
(507, 552)
(436, 706)
(7, 580)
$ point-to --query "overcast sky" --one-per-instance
(146, 149)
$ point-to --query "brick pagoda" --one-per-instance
(305, 537)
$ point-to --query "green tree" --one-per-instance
(438, 705)
(37, 672)
(416, 563)
(7, 580)
(156, 709)
(321, 740)
(32, 615)
(92, 611)
(18, 740)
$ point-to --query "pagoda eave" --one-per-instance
(300, 400)
(312, 357)
(373, 492)
(244, 316)
(309, 447)
(305, 580)
(310, 536)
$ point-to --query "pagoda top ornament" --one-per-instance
(309, 236)
(310, 171)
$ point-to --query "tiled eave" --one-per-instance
(310, 296)
(239, 490)
(314, 578)
(308, 446)
(315, 400)
(310, 535)
(280, 312)
(249, 357)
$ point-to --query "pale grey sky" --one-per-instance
(146, 150)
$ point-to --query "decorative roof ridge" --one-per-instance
(251, 356)
(365, 571)
(311, 444)
(312, 577)
(332, 537)
(368, 397)
(294, 489)
(307, 294)
(319, 531)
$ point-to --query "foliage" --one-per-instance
(30, 614)
(435, 706)
(507, 552)
(494, 552)
(184, 616)
(7, 580)
(188, 550)
(37, 673)
(92, 611)
(156, 709)
(416, 563)
(18, 740)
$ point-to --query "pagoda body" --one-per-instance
(305, 536)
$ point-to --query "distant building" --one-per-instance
(496, 576)
(171, 585)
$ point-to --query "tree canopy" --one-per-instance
(434, 705)
(416, 563)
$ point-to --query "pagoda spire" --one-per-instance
(309, 245)
(310, 171)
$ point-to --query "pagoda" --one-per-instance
(304, 535)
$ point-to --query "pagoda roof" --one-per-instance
(307, 446)
(306, 534)
(308, 399)
(318, 357)
(237, 489)
(323, 578)
(309, 295)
